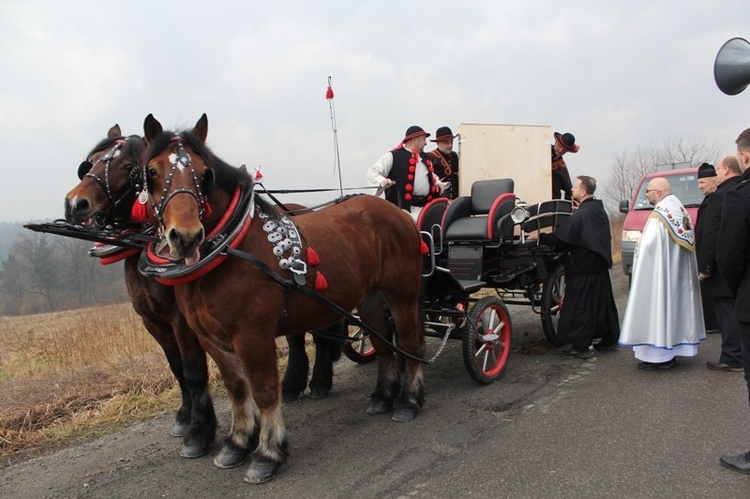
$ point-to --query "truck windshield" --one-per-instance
(684, 186)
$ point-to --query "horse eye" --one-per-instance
(152, 172)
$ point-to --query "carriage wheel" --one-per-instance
(552, 302)
(360, 351)
(486, 340)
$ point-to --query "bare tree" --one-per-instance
(629, 166)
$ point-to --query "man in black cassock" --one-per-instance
(588, 309)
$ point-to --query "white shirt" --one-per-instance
(382, 167)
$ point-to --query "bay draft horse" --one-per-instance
(104, 196)
(366, 250)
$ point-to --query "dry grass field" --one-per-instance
(71, 375)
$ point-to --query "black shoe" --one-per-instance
(655, 366)
(576, 353)
(603, 346)
(712, 331)
(720, 366)
(740, 464)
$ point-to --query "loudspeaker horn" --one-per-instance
(732, 66)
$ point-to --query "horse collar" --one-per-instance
(284, 235)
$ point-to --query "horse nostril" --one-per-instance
(82, 205)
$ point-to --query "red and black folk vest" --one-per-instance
(402, 172)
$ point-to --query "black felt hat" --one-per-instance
(443, 133)
(413, 132)
(705, 171)
(567, 141)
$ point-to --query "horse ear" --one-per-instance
(151, 128)
(114, 132)
(201, 128)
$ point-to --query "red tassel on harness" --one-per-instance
(320, 282)
(424, 248)
(138, 212)
(312, 257)
(207, 210)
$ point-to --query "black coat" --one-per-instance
(561, 183)
(707, 227)
(733, 255)
(586, 238)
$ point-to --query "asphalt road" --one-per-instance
(551, 427)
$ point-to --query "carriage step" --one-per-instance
(471, 286)
(511, 274)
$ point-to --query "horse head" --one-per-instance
(105, 193)
(179, 173)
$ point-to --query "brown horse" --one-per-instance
(366, 255)
(105, 196)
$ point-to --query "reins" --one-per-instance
(290, 284)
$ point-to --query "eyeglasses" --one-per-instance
(651, 190)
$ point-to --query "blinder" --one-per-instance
(84, 168)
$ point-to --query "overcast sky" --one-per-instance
(615, 74)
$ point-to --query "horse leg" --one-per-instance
(327, 351)
(410, 333)
(201, 430)
(259, 358)
(243, 432)
(295, 377)
(165, 337)
(373, 313)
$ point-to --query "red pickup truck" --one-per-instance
(684, 185)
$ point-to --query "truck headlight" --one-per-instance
(631, 235)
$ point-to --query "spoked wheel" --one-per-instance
(552, 302)
(360, 351)
(486, 340)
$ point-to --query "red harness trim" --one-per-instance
(122, 255)
(218, 259)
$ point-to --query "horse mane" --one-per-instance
(134, 146)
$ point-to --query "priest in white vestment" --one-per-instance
(664, 317)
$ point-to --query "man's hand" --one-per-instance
(386, 183)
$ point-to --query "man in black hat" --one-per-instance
(406, 173)
(727, 174)
(706, 231)
(561, 184)
(445, 160)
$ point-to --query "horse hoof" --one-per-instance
(404, 414)
(191, 451)
(319, 393)
(261, 470)
(230, 457)
(288, 397)
(378, 407)
(179, 429)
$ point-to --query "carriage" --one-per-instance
(485, 254)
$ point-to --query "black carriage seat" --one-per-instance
(544, 217)
(483, 216)
(429, 222)
(431, 216)
(547, 214)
